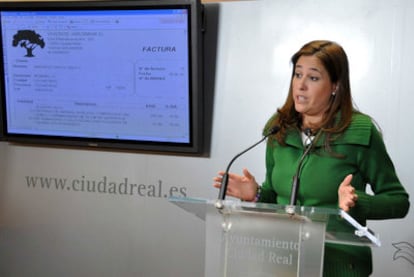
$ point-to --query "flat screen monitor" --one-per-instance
(103, 74)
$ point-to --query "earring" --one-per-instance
(333, 93)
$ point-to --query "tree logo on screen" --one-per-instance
(29, 40)
(405, 251)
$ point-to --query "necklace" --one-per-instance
(307, 136)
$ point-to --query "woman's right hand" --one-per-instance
(243, 186)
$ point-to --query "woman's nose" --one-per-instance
(301, 84)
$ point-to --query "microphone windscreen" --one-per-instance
(273, 131)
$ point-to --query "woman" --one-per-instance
(347, 153)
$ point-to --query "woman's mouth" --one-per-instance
(301, 99)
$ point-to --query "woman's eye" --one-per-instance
(314, 78)
(298, 75)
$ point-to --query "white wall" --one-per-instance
(52, 232)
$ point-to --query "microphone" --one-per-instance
(225, 180)
(296, 179)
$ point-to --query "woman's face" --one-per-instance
(312, 89)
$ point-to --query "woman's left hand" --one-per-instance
(347, 197)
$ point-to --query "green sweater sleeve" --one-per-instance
(390, 200)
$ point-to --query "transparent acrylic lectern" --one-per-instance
(246, 239)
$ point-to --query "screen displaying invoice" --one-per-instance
(112, 74)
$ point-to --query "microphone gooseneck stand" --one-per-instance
(225, 180)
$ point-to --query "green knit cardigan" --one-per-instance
(360, 151)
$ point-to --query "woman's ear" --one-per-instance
(335, 88)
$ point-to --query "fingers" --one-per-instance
(349, 202)
(247, 174)
(346, 206)
(240, 186)
(219, 178)
(347, 180)
(233, 176)
(347, 196)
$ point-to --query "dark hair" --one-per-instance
(339, 114)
